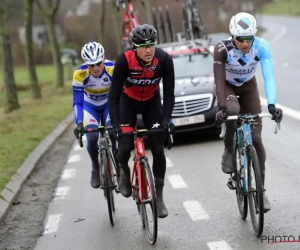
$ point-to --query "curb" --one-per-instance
(11, 191)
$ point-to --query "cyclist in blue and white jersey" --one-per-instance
(91, 85)
(235, 63)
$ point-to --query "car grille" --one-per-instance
(192, 104)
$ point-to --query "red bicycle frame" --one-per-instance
(130, 21)
(139, 151)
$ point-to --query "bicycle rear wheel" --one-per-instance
(148, 204)
(169, 22)
(107, 186)
(255, 192)
(241, 198)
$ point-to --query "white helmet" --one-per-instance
(243, 24)
(92, 53)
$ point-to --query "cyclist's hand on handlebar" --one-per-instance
(116, 133)
(78, 131)
(222, 115)
(166, 125)
(277, 113)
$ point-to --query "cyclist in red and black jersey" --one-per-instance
(135, 90)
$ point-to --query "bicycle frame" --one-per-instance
(139, 154)
(243, 140)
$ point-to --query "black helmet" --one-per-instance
(143, 34)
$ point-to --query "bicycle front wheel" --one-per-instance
(148, 203)
(107, 187)
(255, 192)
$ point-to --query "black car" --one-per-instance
(195, 103)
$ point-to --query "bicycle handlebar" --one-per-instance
(247, 117)
(91, 130)
(154, 130)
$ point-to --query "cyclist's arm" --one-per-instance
(220, 58)
(118, 79)
(266, 62)
(78, 94)
(168, 87)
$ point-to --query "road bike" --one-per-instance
(246, 164)
(193, 25)
(142, 183)
(130, 21)
(109, 171)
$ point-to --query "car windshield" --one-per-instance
(193, 65)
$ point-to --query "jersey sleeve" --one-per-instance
(109, 67)
(267, 66)
(168, 87)
(220, 58)
(118, 79)
(78, 93)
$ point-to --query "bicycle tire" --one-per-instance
(185, 21)
(168, 17)
(147, 176)
(106, 187)
(162, 24)
(242, 200)
(255, 200)
(111, 171)
(154, 20)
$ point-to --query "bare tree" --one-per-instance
(117, 22)
(102, 23)
(35, 88)
(49, 13)
(11, 101)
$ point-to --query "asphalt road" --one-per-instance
(203, 212)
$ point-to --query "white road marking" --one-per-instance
(285, 110)
(218, 245)
(195, 210)
(61, 194)
(84, 138)
(77, 147)
(177, 181)
(279, 35)
(52, 223)
(74, 158)
(169, 163)
(68, 173)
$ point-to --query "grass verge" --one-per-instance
(22, 130)
(282, 8)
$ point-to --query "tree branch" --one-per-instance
(55, 7)
(39, 5)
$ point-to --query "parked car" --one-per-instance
(195, 103)
(216, 37)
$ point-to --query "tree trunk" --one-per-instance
(59, 82)
(117, 26)
(35, 88)
(102, 23)
(11, 101)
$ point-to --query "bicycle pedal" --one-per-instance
(230, 185)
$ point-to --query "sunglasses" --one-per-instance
(247, 39)
(145, 45)
(96, 64)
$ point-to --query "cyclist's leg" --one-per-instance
(125, 145)
(233, 107)
(250, 103)
(91, 120)
(152, 115)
